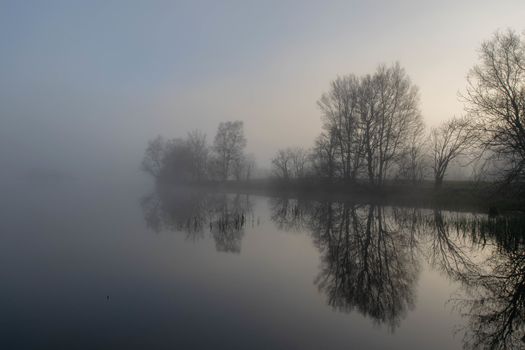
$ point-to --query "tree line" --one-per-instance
(191, 159)
(372, 128)
(373, 131)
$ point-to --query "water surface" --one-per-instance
(118, 266)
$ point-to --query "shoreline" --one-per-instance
(454, 195)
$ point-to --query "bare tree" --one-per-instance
(413, 163)
(153, 160)
(282, 164)
(448, 142)
(323, 157)
(229, 145)
(496, 100)
(177, 163)
(370, 121)
(250, 165)
(199, 151)
(239, 168)
(299, 158)
(243, 167)
(391, 120)
(340, 108)
(290, 163)
(177, 160)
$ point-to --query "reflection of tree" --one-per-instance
(289, 214)
(495, 301)
(151, 208)
(193, 212)
(446, 251)
(367, 262)
(496, 308)
(227, 222)
(367, 257)
(180, 211)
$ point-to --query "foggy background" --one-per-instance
(84, 85)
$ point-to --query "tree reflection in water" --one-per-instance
(224, 216)
(495, 302)
(367, 259)
(371, 257)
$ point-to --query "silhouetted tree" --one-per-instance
(198, 148)
(281, 164)
(341, 117)
(390, 119)
(413, 164)
(496, 100)
(370, 121)
(228, 146)
(323, 157)
(178, 162)
(448, 142)
(290, 163)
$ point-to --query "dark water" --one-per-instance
(114, 266)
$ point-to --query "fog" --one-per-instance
(262, 175)
(84, 86)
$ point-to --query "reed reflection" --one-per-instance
(196, 213)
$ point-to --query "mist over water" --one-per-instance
(127, 265)
(190, 175)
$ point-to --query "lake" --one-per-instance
(117, 265)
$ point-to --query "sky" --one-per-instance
(85, 84)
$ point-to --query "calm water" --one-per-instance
(118, 266)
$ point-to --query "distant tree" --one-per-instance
(290, 163)
(496, 101)
(178, 162)
(413, 163)
(242, 167)
(249, 166)
(229, 145)
(299, 158)
(198, 149)
(448, 142)
(153, 160)
(281, 164)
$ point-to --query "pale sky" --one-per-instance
(87, 83)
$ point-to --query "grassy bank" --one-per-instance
(454, 195)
